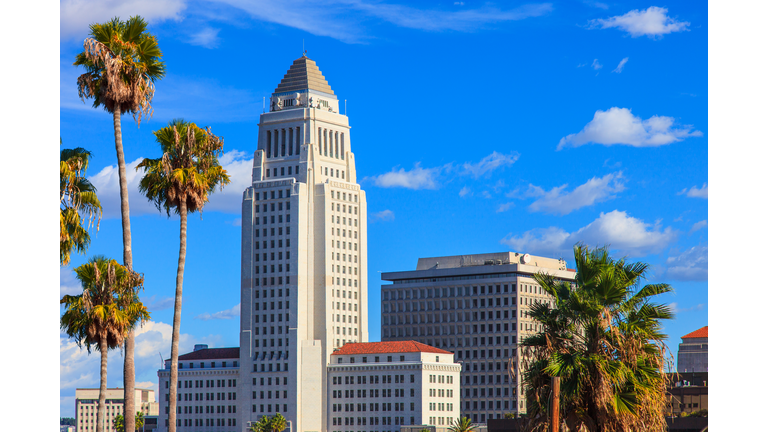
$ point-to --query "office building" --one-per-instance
(476, 307)
(303, 259)
(207, 391)
(87, 405)
(692, 353)
(381, 386)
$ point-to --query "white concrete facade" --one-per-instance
(207, 394)
(87, 404)
(304, 253)
(476, 307)
(373, 390)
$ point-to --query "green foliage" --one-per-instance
(78, 203)
(603, 339)
(119, 425)
(66, 421)
(188, 171)
(510, 415)
(699, 413)
(122, 62)
(276, 423)
(462, 424)
(108, 307)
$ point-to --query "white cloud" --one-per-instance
(676, 309)
(596, 4)
(691, 265)
(490, 163)
(621, 232)
(504, 207)
(696, 192)
(227, 201)
(346, 20)
(620, 126)
(208, 37)
(417, 178)
(593, 191)
(80, 370)
(596, 65)
(234, 312)
(465, 191)
(157, 304)
(652, 22)
(77, 15)
(68, 283)
(698, 225)
(620, 67)
(384, 216)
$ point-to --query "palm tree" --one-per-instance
(262, 425)
(122, 62)
(603, 340)
(182, 179)
(104, 313)
(462, 424)
(77, 199)
(278, 423)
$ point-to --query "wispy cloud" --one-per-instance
(490, 163)
(696, 192)
(208, 37)
(465, 191)
(698, 225)
(504, 207)
(77, 15)
(652, 22)
(68, 283)
(620, 67)
(596, 4)
(157, 304)
(620, 126)
(691, 265)
(596, 65)
(555, 201)
(383, 216)
(676, 308)
(234, 312)
(416, 178)
(622, 232)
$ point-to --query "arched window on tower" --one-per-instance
(342, 145)
(290, 141)
(275, 140)
(325, 142)
(320, 141)
(282, 144)
(337, 145)
(269, 144)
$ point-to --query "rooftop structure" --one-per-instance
(692, 353)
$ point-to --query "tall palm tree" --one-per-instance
(77, 200)
(603, 340)
(462, 424)
(278, 423)
(104, 313)
(182, 179)
(122, 62)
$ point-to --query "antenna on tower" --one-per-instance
(302, 48)
(345, 107)
(263, 104)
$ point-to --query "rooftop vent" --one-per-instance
(199, 347)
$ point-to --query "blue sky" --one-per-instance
(477, 127)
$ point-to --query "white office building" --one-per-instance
(380, 386)
(304, 259)
(475, 306)
(207, 394)
(87, 405)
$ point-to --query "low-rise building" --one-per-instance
(207, 390)
(687, 392)
(87, 404)
(380, 386)
(692, 353)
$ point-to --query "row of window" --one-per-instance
(269, 394)
(338, 173)
(285, 140)
(273, 355)
(202, 365)
(375, 360)
(272, 291)
(344, 331)
(272, 319)
(271, 342)
(271, 195)
(271, 280)
(269, 380)
(438, 406)
(336, 138)
(374, 421)
(272, 232)
(413, 306)
(272, 306)
(361, 407)
(441, 393)
(272, 219)
(343, 318)
(481, 392)
(406, 294)
(407, 331)
(268, 367)
(269, 408)
(208, 422)
(188, 397)
(447, 317)
(272, 207)
(209, 409)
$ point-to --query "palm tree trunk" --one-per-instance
(177, 315)
(101, 414)
(129, 372)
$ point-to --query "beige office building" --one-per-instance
(304, 257)
(87, 404)
(475, 306)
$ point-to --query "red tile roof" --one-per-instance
(700, 333)
(212, 354)
(387, 347)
